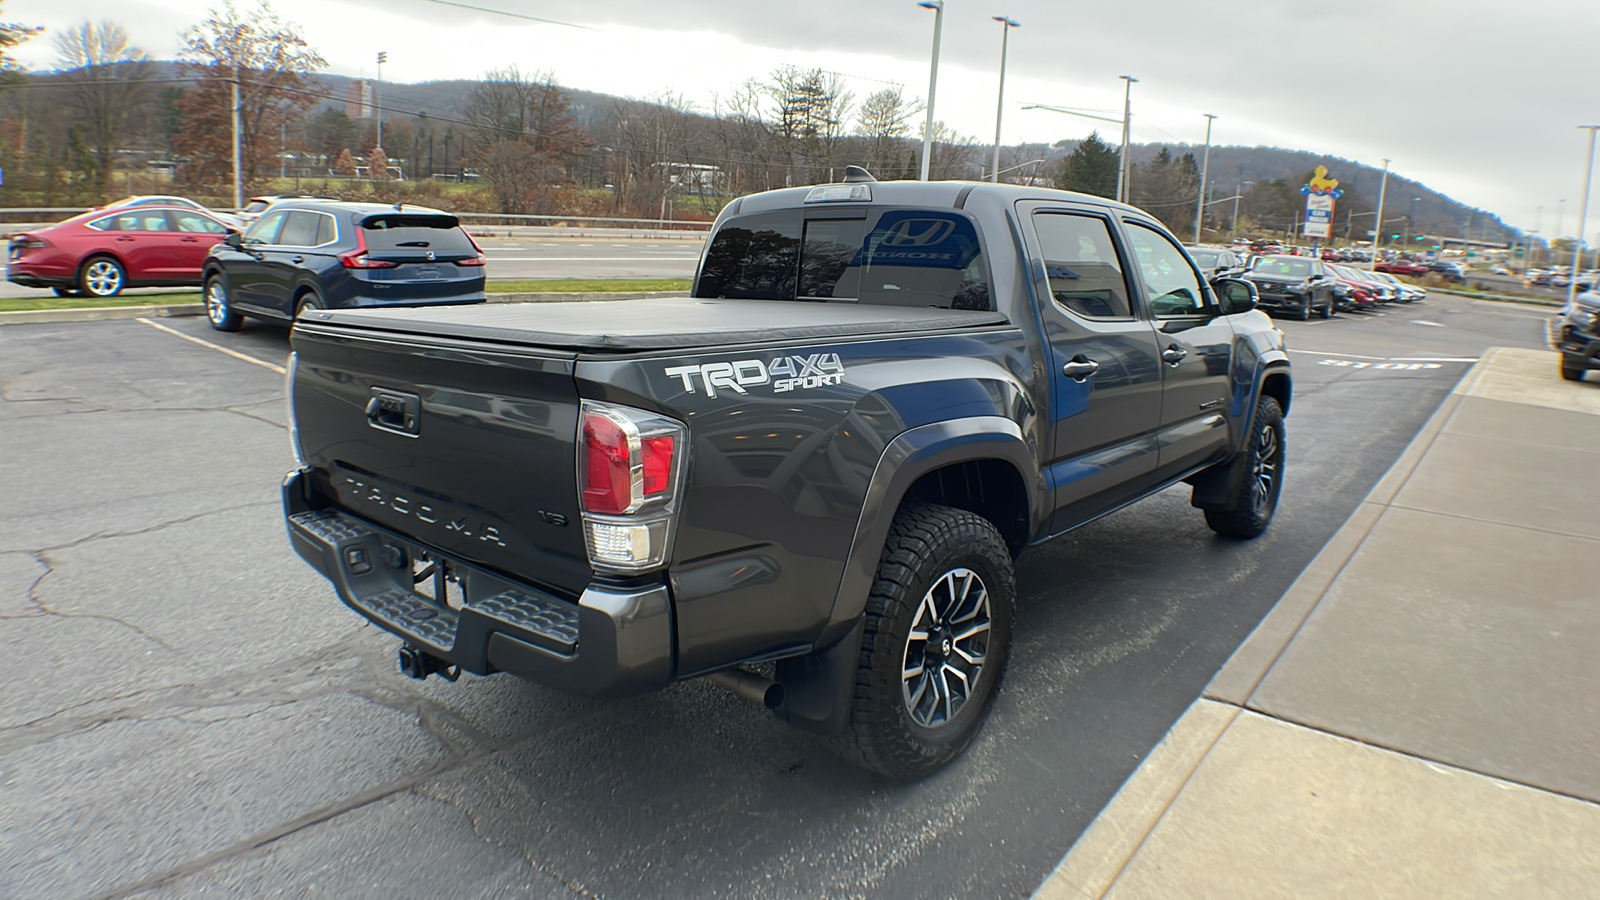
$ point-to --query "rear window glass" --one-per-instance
(441, 234)
(897, 257)
(1205, 257)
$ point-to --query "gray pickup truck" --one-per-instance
(809, 480)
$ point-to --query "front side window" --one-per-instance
(1169, 281)
(1080, 259)
(265, 230)
(194, 223)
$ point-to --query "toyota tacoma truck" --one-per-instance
(810, 479)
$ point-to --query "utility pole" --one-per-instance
(1000, 101)
(1205, 169)
(377, 109)
(238, 164)
(1377, 222)
(933, 81)
(1123, 171)
(1583, 220)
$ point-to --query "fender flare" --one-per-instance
(912, 454)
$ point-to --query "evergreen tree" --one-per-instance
(1091, 169)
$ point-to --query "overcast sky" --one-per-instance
(1473, 98)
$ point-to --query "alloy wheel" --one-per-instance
(1264, 468)
(103, 278)
(946, 648)
(216, 301)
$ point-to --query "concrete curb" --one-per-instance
(1098, 857)
(105, 313)
(1500, 298)
(100, 313)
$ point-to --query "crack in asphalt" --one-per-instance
(108, 535)
(97, 409)
(34, 598)
(481, 833)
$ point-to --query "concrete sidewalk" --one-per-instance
(1419, 716)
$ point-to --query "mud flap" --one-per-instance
(819, 689)
(1218, 487)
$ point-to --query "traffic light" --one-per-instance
(1435, 246)
(1419, 237)
(1394, 237)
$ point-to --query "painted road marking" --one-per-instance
(217, 347)
(1389, 366)
(1427, 323)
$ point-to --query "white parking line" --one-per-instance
(1326, 353)
(217, 347)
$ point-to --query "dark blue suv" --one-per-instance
(330, 255)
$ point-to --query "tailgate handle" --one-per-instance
(394, 411)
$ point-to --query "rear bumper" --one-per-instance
(612, 642)
(28, 279)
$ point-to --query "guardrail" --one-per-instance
(40, 215)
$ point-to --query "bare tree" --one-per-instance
(12, 34)
(811, 106)
(953, 155)
(885, 121)
(273, 64)
(525, 136)
(108, 92)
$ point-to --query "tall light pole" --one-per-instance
(377, 110)
(1561, 209)
(1377, 223)
(933, 80)
(1583, 220)
(1122, 161)
(238, 162)
(1205, 169)
(1236, 195)
(1000, 102)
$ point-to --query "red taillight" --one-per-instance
(657, 464)
(608, 466)
(358, 259)
(479, 260)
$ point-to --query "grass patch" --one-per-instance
(47, 300)
(586, 286)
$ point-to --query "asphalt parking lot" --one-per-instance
(191, 712)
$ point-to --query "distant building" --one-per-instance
(361, 102)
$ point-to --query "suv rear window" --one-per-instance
(893, 257)
(401, 231)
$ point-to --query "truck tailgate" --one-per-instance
(468, 448)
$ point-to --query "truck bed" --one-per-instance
(658, 324)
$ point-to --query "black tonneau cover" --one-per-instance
(659, 324)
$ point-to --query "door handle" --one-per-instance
(1080, 368)
(297, 259)
(190, 240)
(1173, 355)
(129, 239)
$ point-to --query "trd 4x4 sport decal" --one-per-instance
(786, 373)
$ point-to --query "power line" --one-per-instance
(514, 15)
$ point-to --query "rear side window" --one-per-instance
(300, 230)
(441, 234)
(897, 257)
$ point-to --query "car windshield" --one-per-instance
(1205, 258)
(1277, 265)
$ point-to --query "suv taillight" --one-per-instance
(358, 258)
(630, 464)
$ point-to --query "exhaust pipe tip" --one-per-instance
(749, 685)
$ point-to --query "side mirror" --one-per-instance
(1235, 295)
(234, 240)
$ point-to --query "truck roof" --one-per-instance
(952, 194)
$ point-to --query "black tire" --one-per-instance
(1252, 510)
(308, 300)
(1327, 311)
(65, 291)
(1571, 373)
(1304, 313)
(935, 556)
(102, 276)
(218, 311)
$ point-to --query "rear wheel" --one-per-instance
(937, 636)
(308, 300)
(1571, 373)
(1252, 510)
(102, 276)
(218, 312)
(1327, 311)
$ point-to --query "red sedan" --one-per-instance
(101, 252)
(1401, 267)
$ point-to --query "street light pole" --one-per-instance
(1583, 220)
(1377, 223)
(1236, 195)
(1205, 168)
(1122, 162)
(933, 81)
(238, 164)
(377, 110)
(999, 104)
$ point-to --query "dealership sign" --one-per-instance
(1320, 193)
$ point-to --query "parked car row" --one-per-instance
(1302, 286)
